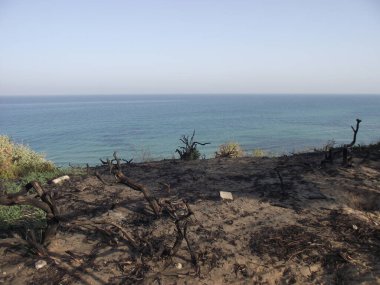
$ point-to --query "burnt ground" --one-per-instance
(320, 225)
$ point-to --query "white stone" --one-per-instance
(226, 195)
(40, 264)
(178, 265)
(60, 179)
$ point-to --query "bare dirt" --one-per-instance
(321, 225)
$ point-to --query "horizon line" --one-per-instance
(193, 94)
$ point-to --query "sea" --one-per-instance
(75, 130)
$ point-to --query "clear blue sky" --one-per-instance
(193, 46)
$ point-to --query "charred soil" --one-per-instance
(293, 220)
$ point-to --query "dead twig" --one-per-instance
(97, 174)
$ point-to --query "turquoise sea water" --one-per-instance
(81, 129)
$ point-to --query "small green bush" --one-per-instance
(230, 149)
(20, 165)
(22, 215)
(17, 160)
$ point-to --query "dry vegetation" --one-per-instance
(231, 150)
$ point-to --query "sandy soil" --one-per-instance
(321, 226)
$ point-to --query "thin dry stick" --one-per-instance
(281, 181)
(97, 174)
(127, 236)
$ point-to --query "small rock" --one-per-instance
(226, 195)
(4, 273)
(178, 265)
(60, 179)
(40, 264)
(355, 227)
(314, 268)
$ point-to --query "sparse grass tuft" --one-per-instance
(363, 202)
(259, 153)
(21, 216)
(144, 155)
(230, 149)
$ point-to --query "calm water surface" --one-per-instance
(81, 129)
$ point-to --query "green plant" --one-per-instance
(17, 160)
(20, 165)
(23, 215)
(20, 216)
(189, 151)
(230, 149)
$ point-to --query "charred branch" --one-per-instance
(193, 256)
(115, 163)
(146, 192)
(12, 199)
(45, 203)
(109, 163)
(331, 152)
(97, 174)
(181, 220)
(189, 151)
(45, 197)
(179, 239)
(347, 148)
(355, 130)
(166, 187)
(109, 229)
(281, 182)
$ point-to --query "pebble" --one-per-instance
(226, 195)
(59, 180)
(178, 265)
(40, 264)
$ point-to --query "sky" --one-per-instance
(80, 47)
